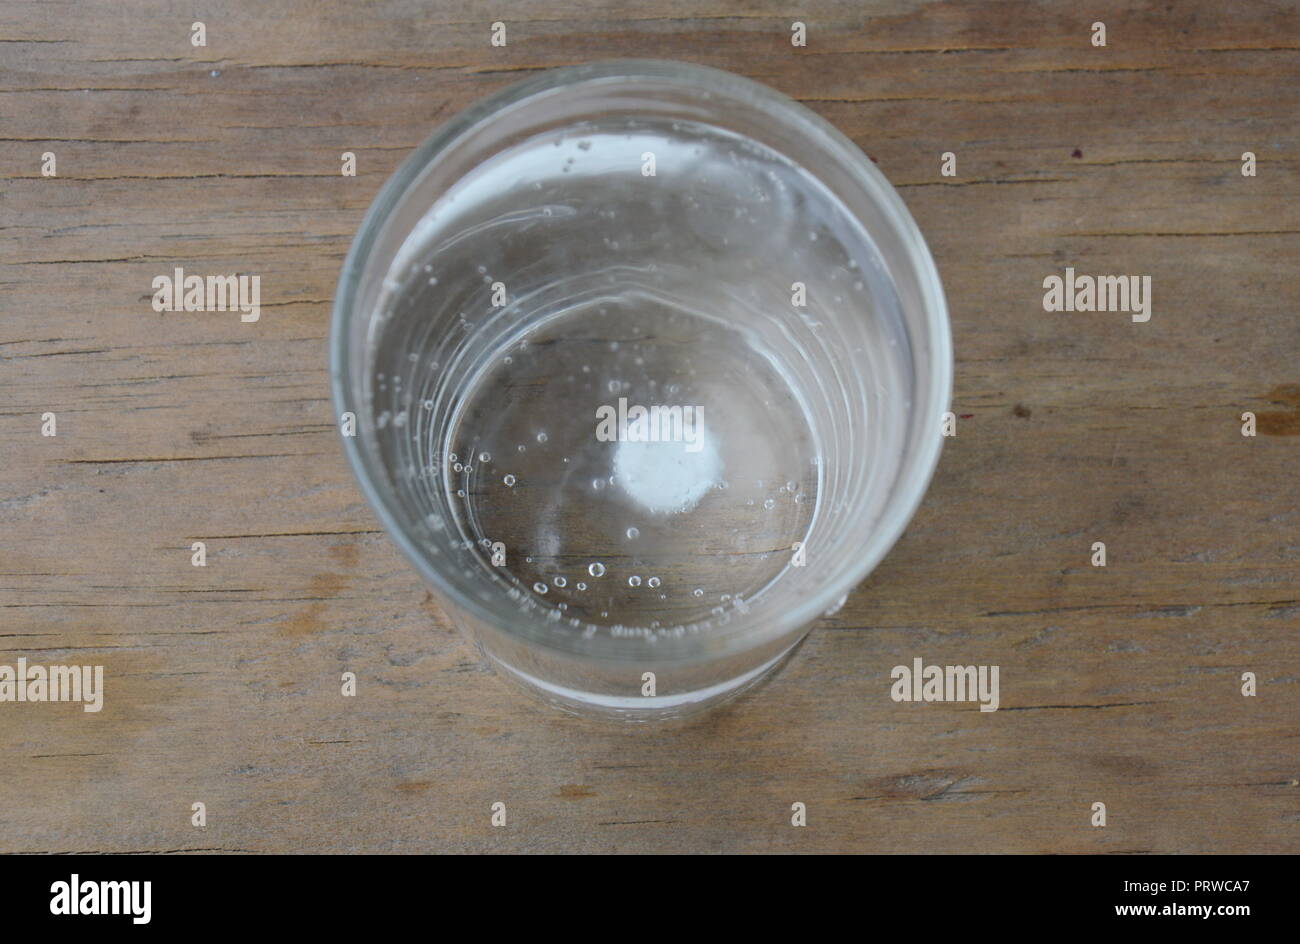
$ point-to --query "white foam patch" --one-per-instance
(663, 477)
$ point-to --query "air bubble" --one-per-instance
(634, 581)
(484, 457)
(697, 592)
(653, 582)
(542, 437)
(509, 480)
(633, 534)
(540, 587)
(560, 581)
(596, 569)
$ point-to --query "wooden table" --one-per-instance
(1119, 685)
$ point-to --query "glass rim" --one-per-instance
(934, 387)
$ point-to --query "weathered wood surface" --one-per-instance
(1119, 685)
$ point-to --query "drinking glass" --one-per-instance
(641, 364)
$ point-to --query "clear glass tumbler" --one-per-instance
(645, 364)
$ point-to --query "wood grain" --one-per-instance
(1119, 685)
